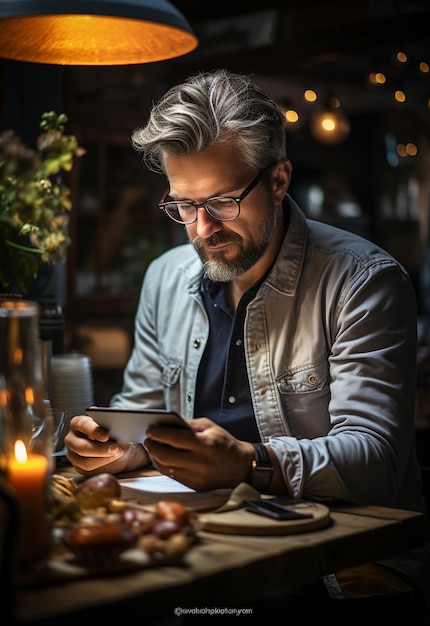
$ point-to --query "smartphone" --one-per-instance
(131, 424)
(274, 510)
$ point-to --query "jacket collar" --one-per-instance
(285, 273)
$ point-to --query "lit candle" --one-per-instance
(28, 475)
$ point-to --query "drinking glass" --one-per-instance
(59, 417)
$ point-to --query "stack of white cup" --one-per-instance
(72, 383)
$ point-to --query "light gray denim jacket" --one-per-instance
(331, 356)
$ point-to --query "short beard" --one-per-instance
(220, 271)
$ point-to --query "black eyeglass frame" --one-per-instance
(163, 205)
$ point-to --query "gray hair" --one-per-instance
(208, 108)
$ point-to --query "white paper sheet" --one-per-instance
(156, 484)
(147, 490)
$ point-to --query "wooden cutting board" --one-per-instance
(244, 522)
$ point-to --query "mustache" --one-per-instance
(215, 240)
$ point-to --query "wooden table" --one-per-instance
(224, 569)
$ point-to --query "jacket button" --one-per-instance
(312, 379)
(197, 343)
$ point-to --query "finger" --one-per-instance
(198, 424)
(91, 457)
(92, 465)
(175, 437)
(90, 448)
(86, 426)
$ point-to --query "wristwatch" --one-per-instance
(261, 470)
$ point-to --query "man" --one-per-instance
(289, 345)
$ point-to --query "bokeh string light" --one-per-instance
(399, 77)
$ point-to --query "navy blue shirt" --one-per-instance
(223, 392)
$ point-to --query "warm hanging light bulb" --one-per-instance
(409, 149)
(377, 78)
(400, 95)
(329, 126)
(310, 95)
(291, 115)
(93, 32)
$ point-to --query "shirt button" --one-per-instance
(232, 400)
(197, 343)
(238, 342)
(189, 397)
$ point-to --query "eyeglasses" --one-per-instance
(221, 208)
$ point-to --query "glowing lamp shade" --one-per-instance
(329, 127)
(93, 32)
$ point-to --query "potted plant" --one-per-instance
(34, 202)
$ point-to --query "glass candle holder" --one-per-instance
(27, 461)
(9, 521)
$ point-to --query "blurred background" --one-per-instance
(361, 66)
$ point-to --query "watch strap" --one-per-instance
(261, 470)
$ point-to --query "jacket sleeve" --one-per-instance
(142, 382)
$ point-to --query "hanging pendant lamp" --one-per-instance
(93, 32)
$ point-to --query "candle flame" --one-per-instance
(17, 356)
(4, 397)
(20, 451)
(29, 395)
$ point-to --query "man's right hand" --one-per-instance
(90, 451)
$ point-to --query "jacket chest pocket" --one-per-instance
(305, 396)
(305, 379)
